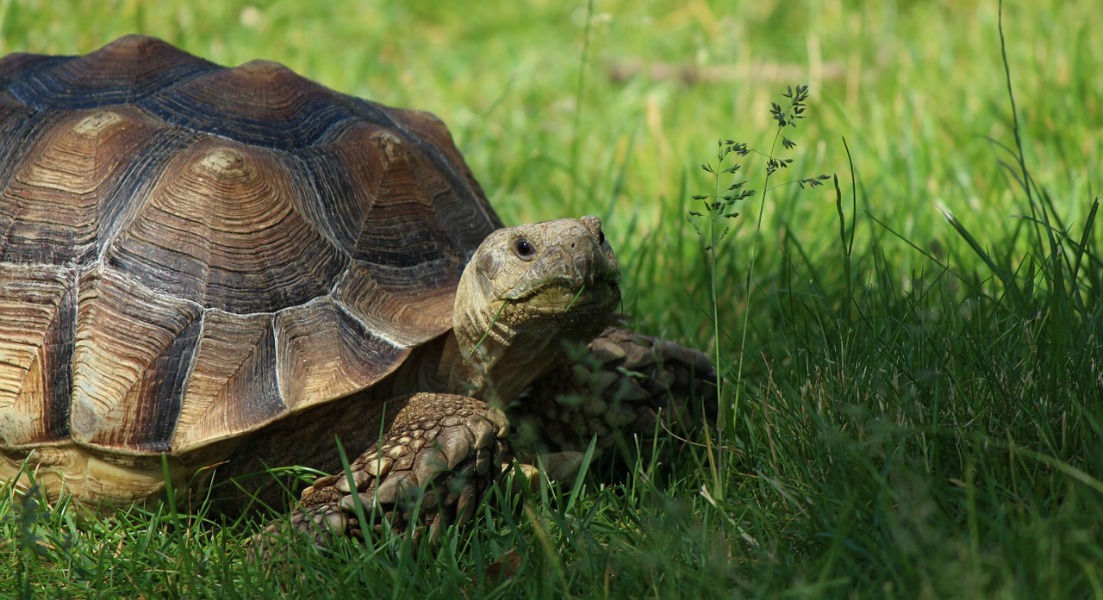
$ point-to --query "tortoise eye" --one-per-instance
(524, 248)
(600, 236)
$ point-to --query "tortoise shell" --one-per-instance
(189, 252)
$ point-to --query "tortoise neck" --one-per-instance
(486, 358)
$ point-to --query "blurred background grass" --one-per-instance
(916, 87)
(864, 457)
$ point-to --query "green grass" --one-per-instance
(920, 409)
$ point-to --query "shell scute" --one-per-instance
(190, 252)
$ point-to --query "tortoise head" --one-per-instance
(526, 291)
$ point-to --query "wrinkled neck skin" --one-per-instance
(487, 356)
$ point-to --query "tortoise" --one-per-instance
(221, 270)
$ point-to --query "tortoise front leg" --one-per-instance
(626, 384)
(431, 467)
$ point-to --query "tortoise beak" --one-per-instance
(580, 270)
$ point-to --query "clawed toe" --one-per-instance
(430, 470)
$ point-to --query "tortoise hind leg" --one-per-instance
(430, 468)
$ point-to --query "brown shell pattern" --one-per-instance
(189, 252)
